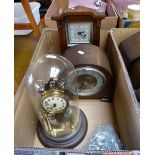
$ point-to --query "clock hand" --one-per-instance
(80, 33)
(88, 85)
(83, 86)
(83, 34)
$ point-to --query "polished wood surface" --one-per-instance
(134, 73)
(33, 25)
(130, 49)
(92, 55)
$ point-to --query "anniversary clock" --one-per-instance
(94, 77)
(61, 123)
(79, 25)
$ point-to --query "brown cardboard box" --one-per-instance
(122, 113)
(109, 22)
(116, 37)
(123, 34)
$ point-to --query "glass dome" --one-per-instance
(47, 82)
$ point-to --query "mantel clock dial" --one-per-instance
(79, 32)
(90, 81)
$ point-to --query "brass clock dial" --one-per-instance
(54, 104)
(53, 97)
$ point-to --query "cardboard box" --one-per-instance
(122, 113)
(122, 23)
(109, 22)
(116, 37)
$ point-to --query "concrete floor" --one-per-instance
(24, 47)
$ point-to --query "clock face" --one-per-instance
(89, 81)
(54, 104)
(79, 32)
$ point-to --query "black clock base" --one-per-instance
(69, 142)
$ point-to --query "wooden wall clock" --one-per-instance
(80, 25)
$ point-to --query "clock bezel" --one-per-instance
(90, 68)
(106, 92)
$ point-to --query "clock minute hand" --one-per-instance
(85, 85)
(83, 34)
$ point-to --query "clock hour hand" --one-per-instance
(83, 86)
(83, 34)
(86, 85)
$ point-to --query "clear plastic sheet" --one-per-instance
(105, 138)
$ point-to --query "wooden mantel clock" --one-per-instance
(80, 25)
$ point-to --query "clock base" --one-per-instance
(67, 142)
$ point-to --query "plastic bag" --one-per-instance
(105, 139)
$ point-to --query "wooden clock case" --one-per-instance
(93, 57)
(78, 14)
